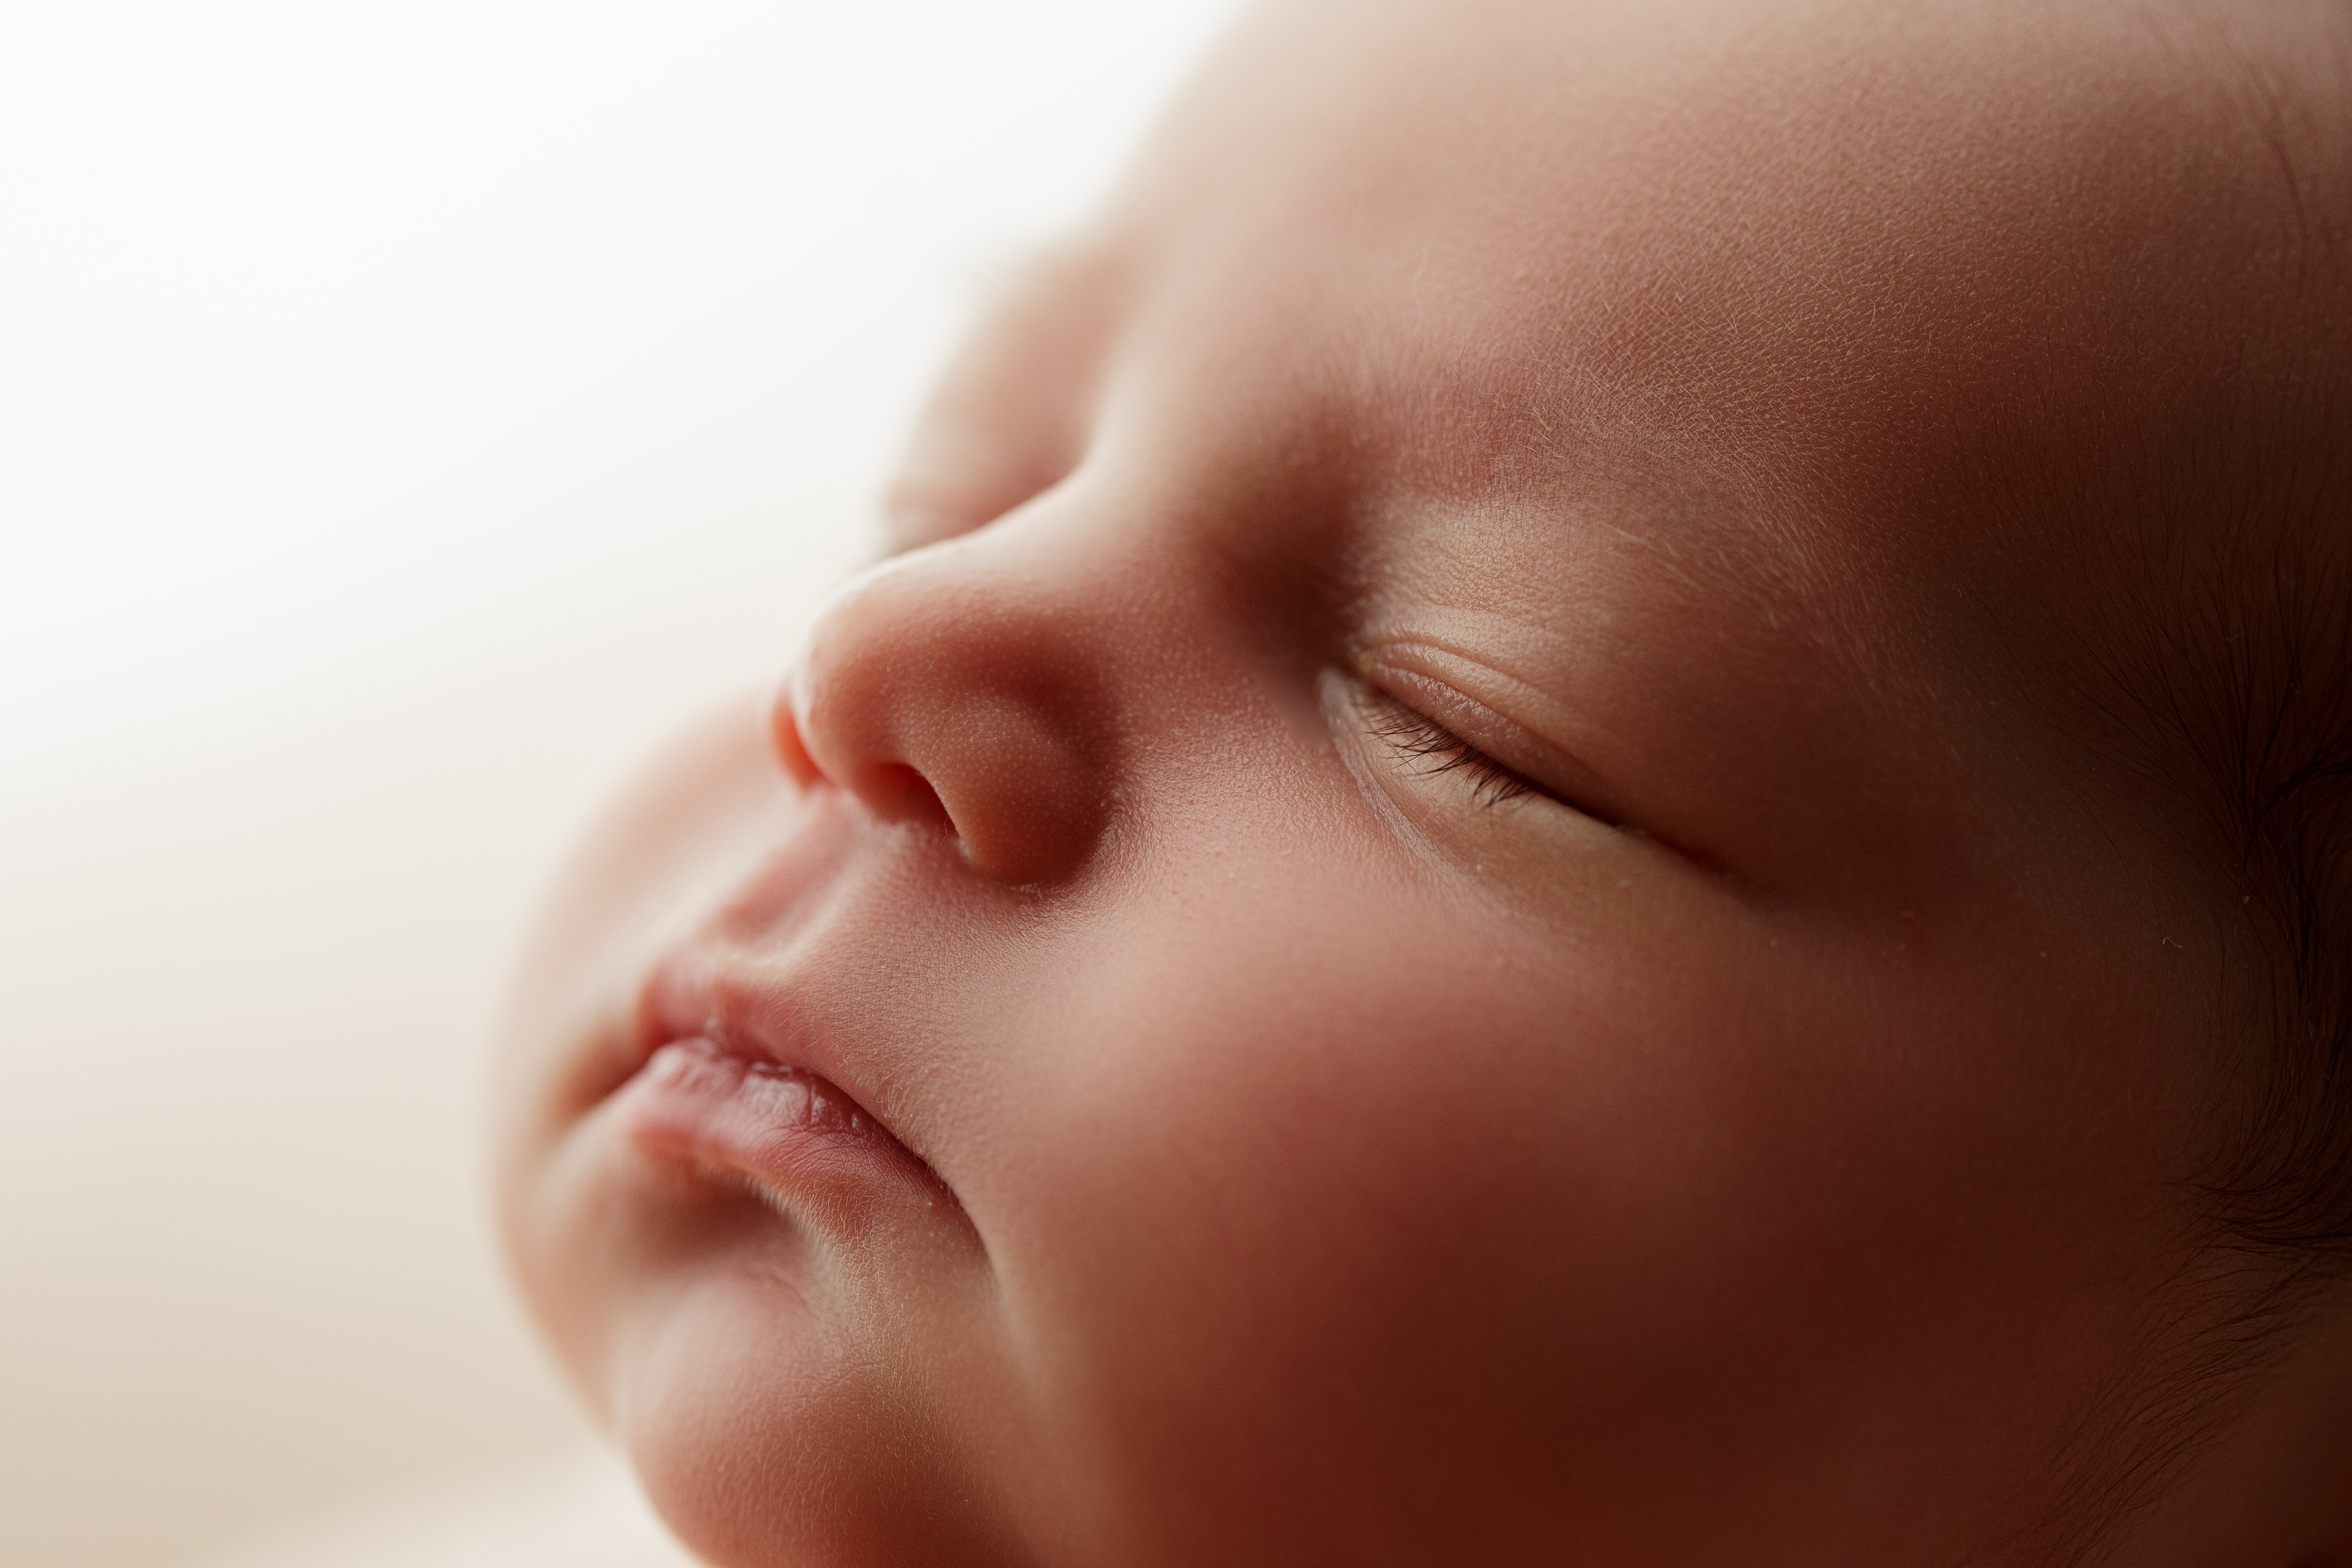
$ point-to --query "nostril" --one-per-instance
(902, 793)
(976, 717)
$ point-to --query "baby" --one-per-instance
(1596, 815)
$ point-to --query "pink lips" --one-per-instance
(737, 1073)
(790, 1131)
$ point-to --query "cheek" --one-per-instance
(1349, 1210)
(1482, 1219)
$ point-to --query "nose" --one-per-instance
(952, 687)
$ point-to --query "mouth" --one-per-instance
(739, 1091)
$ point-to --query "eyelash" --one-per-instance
(1427, 741)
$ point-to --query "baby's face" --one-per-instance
(1448, 910)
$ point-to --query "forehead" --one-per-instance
(1897, 317)
(1859, 270)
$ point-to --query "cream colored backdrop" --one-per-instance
(405, 412)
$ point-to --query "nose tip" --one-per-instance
(935, 694)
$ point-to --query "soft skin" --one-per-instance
(1758, 1124)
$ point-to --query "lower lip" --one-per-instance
(788, 1130)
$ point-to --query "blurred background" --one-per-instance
(408, 412)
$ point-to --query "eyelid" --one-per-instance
(1416, 676)
(1438, 750)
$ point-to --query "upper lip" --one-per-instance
(735, 981)
(699, 994)
(719, 983)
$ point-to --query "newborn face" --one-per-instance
(1446, 910)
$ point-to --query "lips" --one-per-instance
(739, 1091)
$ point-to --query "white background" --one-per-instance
(406, 411)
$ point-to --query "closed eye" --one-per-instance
(1432, 749)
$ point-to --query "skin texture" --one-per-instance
(1767, 1139)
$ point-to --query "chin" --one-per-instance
(766, 1438)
